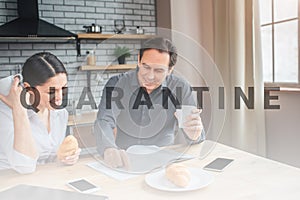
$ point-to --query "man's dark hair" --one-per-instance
(162, 45)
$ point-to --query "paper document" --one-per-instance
(143, 159)
(121, 176)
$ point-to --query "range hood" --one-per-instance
(28, 26)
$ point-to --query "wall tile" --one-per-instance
(72, 15)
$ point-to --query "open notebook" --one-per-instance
(144, 163)
(28, 192)
(144, 159)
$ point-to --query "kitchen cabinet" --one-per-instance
(81, 126)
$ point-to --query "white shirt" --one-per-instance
(47, 143)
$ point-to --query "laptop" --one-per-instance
(29, 192)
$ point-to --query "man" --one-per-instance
(138, 107)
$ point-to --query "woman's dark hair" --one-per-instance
(162, 45)
(40, 67)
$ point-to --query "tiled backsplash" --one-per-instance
(72, 15)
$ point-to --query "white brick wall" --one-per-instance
(73, 15)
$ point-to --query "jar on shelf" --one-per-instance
(139, 30)
(91, 58)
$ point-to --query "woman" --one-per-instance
(32, 136)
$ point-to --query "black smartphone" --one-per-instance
(218, 164)
(82, 186)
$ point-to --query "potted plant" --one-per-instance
(121, 53)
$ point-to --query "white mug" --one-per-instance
(183, 113)
(5, 83)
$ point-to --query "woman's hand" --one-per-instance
(13, 98)
(71, 160)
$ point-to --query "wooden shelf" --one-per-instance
(100, 36)
(110, 67)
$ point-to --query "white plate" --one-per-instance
(142, 149)
(199, 179)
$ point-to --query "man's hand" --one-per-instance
(193, 125)
(116, 158)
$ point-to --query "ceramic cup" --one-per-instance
(183, 113)
(5, 83)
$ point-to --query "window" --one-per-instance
(280, 40)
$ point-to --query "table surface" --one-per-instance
(248, 177)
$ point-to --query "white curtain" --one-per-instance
(229, 31)
(238, 55)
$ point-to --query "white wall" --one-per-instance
(283, 128)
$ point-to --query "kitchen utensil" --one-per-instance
(93, 28)
(119, 26)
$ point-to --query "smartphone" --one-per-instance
(83, 186)
(218, 164)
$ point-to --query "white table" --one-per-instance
(248, 177)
